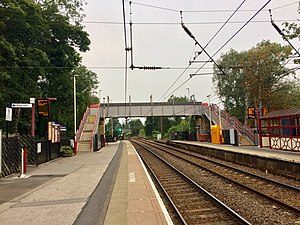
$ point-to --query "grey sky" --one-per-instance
(159, 40)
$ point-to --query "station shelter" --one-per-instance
(280, 129)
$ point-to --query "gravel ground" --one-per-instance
(195, 206)
(254, 208)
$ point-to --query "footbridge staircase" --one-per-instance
(230, 122)
(89, 126)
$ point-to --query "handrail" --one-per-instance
(82, 123)
(96, 122)
(241, 128)
(248, 131)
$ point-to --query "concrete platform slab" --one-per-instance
(137, 195)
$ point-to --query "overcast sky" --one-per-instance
(159, 40)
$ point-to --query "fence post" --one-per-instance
(24, 162)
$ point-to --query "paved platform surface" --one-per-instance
(59, 191)
(55, 192)
(252, 150)
(135, 194)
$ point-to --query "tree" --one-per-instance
(86, 82)
(22, 31)
(251, 77)
(292, 30)
(231, 87)
(39, 55)
(286, 95)
(136, 126)
(180, 99)
(71, 8)
(157, 124)
(112, 127)
(163, 124)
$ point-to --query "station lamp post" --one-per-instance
(75, 105)
(75, 111)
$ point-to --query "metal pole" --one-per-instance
(188, 97)
(151, 101)
(100, 97)
(23, 162)
(75, 128)
(112, 127)
(32, 101)
(161, 125)
(173, 105)
(220, 117)
(129, 105)
(209, 110)
(32, 120)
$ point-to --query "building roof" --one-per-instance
(282, 113)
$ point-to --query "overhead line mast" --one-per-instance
(132, 66)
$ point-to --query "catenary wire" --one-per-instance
(165, 23)
(225, 43)
(187, 23)
(239, 30)
(204, 11)
(204, 48)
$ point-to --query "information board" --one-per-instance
(43, 107)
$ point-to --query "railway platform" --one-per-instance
(108, 187)
(111, 186)
(280, 162)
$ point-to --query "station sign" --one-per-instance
(21, 105)
(8, 114)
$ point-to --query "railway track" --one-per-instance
(283, 194)
(285, 199)
(192, 203)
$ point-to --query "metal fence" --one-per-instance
(12, 148)
(11, 156)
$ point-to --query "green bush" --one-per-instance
(66, 150)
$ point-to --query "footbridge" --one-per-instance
(204, 113)
(152, 109)
(93, 121)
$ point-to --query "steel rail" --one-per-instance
(230, 211)
(282, 204)
(163, 189)
(229, 167)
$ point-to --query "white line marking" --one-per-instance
(131, 177)
(162, 205)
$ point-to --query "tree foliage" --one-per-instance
(165, 125)
(136, 126)
(253, 78)
(112, 127)
(39, 55)
(292, 30)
